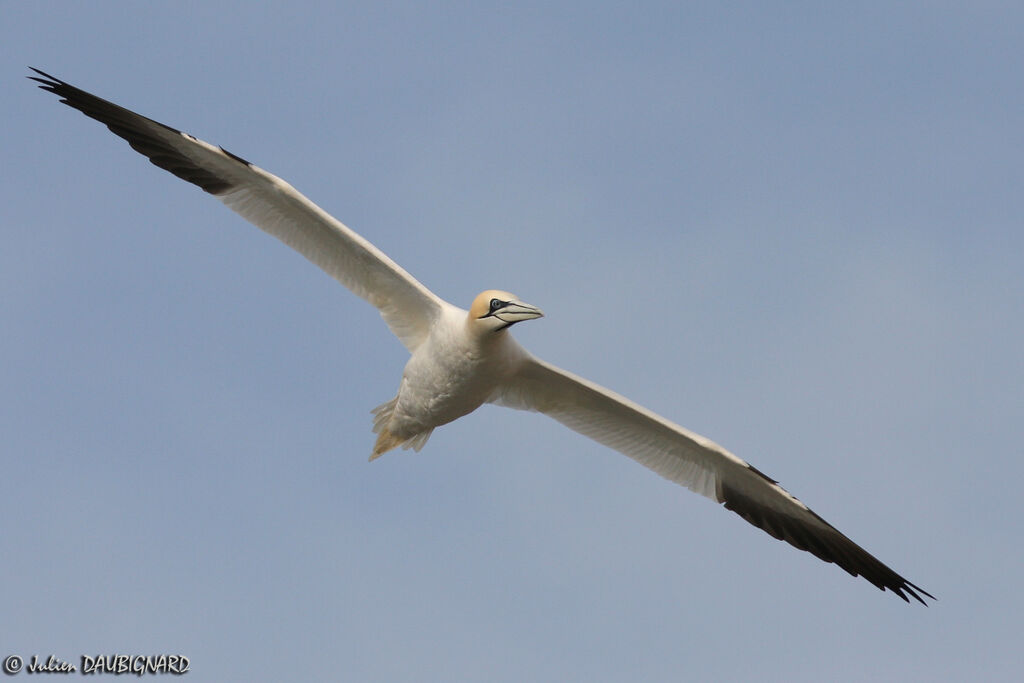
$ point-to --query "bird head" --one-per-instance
(495, 310)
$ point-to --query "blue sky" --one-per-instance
(795, 230)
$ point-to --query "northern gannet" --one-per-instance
(462, 359)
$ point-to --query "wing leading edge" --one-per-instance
(272, 205)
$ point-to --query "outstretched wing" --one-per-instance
(274, 206)
(693, 461)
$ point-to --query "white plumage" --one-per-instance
(461, 359)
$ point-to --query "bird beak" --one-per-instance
(517, 311)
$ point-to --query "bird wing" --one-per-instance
(274, 206)
(693, 461)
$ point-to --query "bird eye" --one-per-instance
(496, 304)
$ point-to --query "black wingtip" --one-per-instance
(914, 590)
(821, 539)
(904, 588)
(48, 82)
(160, 143)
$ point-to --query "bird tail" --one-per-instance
(385, 442)
(386, 439)
(382, 415)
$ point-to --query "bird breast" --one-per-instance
(451, 374)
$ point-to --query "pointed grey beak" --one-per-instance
(517, 311)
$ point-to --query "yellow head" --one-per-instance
(496, 310)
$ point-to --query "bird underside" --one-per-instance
(462, 359)
(386, 439)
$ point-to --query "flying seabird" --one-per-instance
(462, 359)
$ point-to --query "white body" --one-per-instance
(460, 359)
(454, 371)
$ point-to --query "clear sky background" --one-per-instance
(794, 228)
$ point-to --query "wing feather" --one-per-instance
(410, 309)
(693, 461)
(272, 205)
